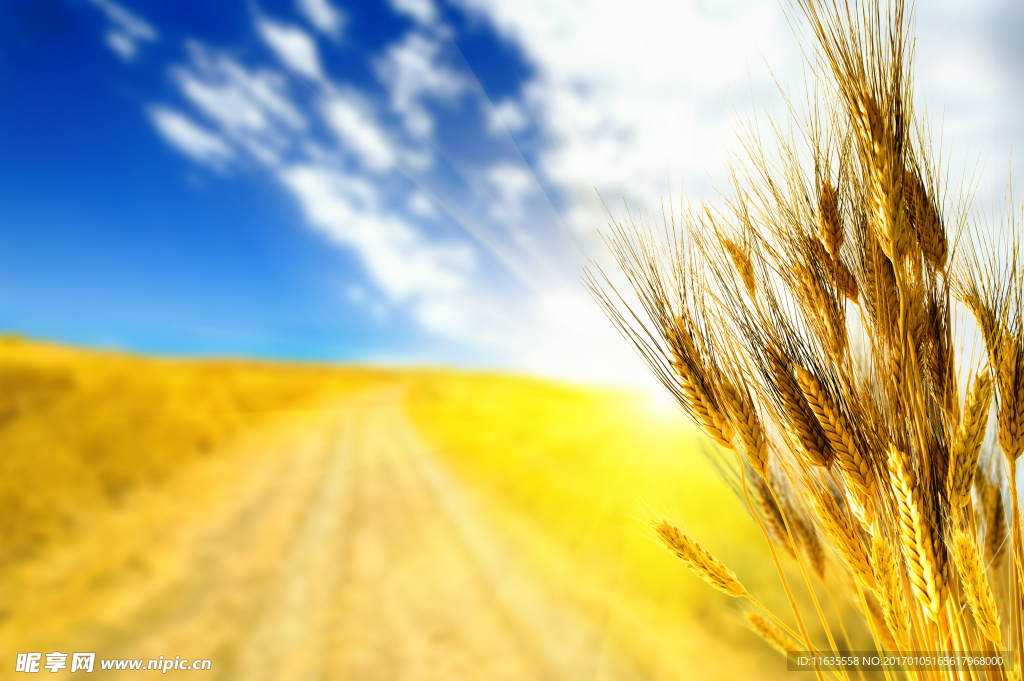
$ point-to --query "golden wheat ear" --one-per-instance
(1011, 397)
(830, 223)
(968, 440)
(810, 544)
(802, 425)
(698, 559)
(994, 513)
(848, 452)
(920, 540)
(925, 220)
(771, 633)
(771, 514)
(747, 426)
(839, 529)
(741, 261)
(873, 611)
(699, 399)
(890, 592)
(976, 586)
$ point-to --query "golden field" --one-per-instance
(345, 523)
(81, 430)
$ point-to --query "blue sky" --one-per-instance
(401, 181)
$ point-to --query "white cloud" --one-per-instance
(400, 260)
(423, 11)
(243, 111)
(323, 15)
(460, 318)
(420, 205)
(626, 99)
(412, 72)
(250, 106)
(505, 115)
(513, 184)
(188, 137)
(619, 115)
(126, 31)
(236, 95)
(293, 46)
(433, 280)
(121, 44)
(352, 121)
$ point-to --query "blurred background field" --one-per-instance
(401, 183)
(572, 477)
(119, 469)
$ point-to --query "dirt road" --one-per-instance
(338, 550)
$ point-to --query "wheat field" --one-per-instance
(316, 522)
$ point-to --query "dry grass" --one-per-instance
(812, 327)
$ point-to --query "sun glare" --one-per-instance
(661, 404)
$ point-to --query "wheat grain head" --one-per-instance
(976, 586)
(698, 559)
